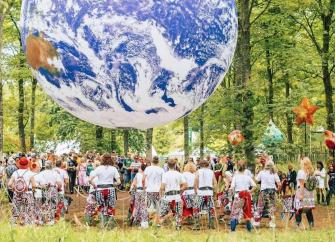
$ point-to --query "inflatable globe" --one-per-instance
(129, 63)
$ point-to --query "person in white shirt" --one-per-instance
(173, 183)
(52, 183)
(38, 192)
(304, 198)
(320, 174)
(153, 180)
(270, 181)
(108, 178)
(242, 204)
(205, 184)
(189, 196)
(22, 182)
(140, 211)
(62, 204)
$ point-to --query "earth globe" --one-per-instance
(129, 63)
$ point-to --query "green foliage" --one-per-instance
(293, 59)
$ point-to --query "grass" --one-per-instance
(66, 232)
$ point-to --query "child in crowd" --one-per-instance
(287, 195)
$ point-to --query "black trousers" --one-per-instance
(72, 180)
(309, 215)
(330, 193)
(10, 195)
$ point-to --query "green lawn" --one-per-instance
(66, 232)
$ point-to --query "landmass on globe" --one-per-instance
(125, 63)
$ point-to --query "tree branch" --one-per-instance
(16, 27)
(309, 33)
(261, 13)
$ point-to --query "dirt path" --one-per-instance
(323, 215)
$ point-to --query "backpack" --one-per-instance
(20, 185)
(311, 183)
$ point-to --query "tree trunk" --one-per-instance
(186, 139)
(202, 131)
(245, 97)
(327, 21)
(125, 141)
(20, 117)
(270, 77)
(149, 137)
(99, 135)
(32, 113)
(2, 17)
(113, 144)
(288, 113)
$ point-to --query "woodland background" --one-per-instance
(285, 52)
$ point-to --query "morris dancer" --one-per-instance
(52, 184)
(38, 193)
(61, 207)
(204, 184)
(105, 195)
(304, 198)
(242, 205)
(172, 185)
(188, 195)
(22, 182)
(91, 203)
(153, 180)
(140, 211)
(224, 194)
(267, 196)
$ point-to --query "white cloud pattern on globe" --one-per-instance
(129, 63)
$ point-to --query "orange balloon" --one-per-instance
(236, 137)
(304, 112)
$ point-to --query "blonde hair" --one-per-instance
(307, 166)
(190, 167)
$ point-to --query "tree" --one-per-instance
(113, 143)
(99, 135)
(149, 137)
(21, 101)
(202, 131)
(32, 112)
(125, 141)
(316, 18)
(5, 6)
(186, 138)
(243, 61)
(2, 19)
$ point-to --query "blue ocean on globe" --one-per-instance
(129, 63)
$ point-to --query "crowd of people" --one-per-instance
(39, 188)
